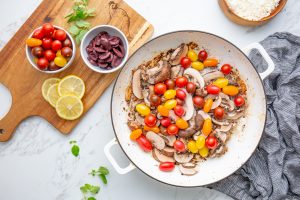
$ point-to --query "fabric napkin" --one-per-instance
(273, 171)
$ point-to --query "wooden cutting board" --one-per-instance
(25, 83)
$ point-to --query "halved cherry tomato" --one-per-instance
(144, 143)
(207, 105)
(135, 134)
(166, 121)
(210, 62)
(150, 120)
(170, 84)
(192, 146)
(142, 109)
(204, 152)
(207, 127)
(219, 113)
(160, 88)
(166, 166)
(226, 69)
(181, 81)
(239, 101)
(180, 94)
(230, 90)
(211, 142)
(198, 101)
(179, 110)
(221, 82)
(179, 146)
(185, 62)
(197, 65)
(192, 55)
(191, 87)
(202, 55)
(48, 29)
(200, 142)
(155, 129)
(181, 123)
(38, 34)
(172, 129)
(212, 89)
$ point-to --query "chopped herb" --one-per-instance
(75, 148)
(82, 24)
(101, 172)
(88, 188)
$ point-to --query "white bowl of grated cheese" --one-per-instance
(251, 13)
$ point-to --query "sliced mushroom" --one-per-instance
(183, 157)
(178, 53)
(128, 93)
(157, 155)
(186, 133)
(139, 118)
(188, 171)
(169, 139)
(204, 115)
(133, 125)
(225, 128)
(212, 75)
(163, 130)
(221, 136)
(172, 115)
(196, 135)
(168, 151)
(234, 115)
(146, 95)
(221, 123)
(227, 101)
(196, 75)
(157, 141)
(175, 71)
(136, 84)
(159, 73)
(216, 102)
(189, 165)
(188, 107)
(201, 92)
(199, 120)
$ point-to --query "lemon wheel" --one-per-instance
(47, 84)
(71, 85)
(69, 107)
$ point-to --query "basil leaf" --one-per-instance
(82, 24)
(84, 189)
(75, 150)
(91, 12)
(94, 189)
(103, 178)
(91, 198)
(80, 36)
(103, 170)
(74, 30)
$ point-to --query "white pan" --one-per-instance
(243, 141)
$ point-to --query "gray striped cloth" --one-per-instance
(273, 171)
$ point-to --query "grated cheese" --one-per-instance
(252, 9)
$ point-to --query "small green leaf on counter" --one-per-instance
(89, 188)
(74, 30)
(75, 150)
(91, 198)
(72, 142)
(101, 172)
(103, 178)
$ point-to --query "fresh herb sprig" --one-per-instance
(75, 148)
(102, 172)
(88, 189)
(80, 12)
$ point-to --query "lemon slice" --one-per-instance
(53, 95)
(71, 85)
(69, 107)
(47, 84)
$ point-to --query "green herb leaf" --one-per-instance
(84, 189)
(103, 178)
(82, 24)
(91, 12)
(73, 142)
(103, 170)
(94, 189)
(91, 198)
(75, 150)
(74, 30)
(80, 36)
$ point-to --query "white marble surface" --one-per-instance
(37, 164)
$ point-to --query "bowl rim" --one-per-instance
(124, 151)
(96, 68)
(264, 19)
(27, 50)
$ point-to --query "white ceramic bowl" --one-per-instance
(30, 57)
(91, 34)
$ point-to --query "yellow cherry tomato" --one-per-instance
(181, 123)
(33, 42)
(210, 62)
(207, 127)
(58, 53)
(204, 152)
(136, 134)
(142, 109)
(221, 82)
(192, 146)
(60, 61)
(163, 111)
(230, 90)
(170, 104)
(192, 55)
(155, 129)
(197, 65)
(207, 105)
(200, 142)
(170, 94)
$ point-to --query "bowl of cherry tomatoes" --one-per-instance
(50, 49)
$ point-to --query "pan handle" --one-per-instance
(112, 160)
(265, 55)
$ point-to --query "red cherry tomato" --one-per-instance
(172, 129)
(48, 29)
(144, 143)
(170, 84)
(56, 45)
(38, 34)
(160, 88)
(60, 35)
(211, 142)
(179, 110)
(180, 102)
(165, 122)
(202, 55)
(219, 113)
(166, 166)
(191, 87)
(226, 69)
(49, 55)
(198, 101)
(179, 146)
(180, 94)
(42, 63)
(181, 81)
(150, 120)
(185, 62)
(212, 89)
(46, 43)
(239, 101)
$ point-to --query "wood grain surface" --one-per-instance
(25, 83)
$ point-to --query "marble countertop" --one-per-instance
(37, 164)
